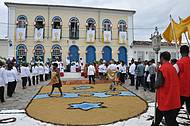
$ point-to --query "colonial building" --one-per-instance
(56, 32)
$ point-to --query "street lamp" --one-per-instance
(10, 43)
(156, 42)
(156, 45)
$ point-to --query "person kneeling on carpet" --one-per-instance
(55, 79)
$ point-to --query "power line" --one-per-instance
(63, 27)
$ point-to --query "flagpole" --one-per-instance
(174, 35)
(184, 32)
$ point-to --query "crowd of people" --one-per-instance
(173, 87)
(172, 82)
(143, 73)
(28, 74)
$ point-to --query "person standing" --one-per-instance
(111, 70)
(24, 75)
(122, 70)
(100, 71)
(16, 73)
(28, 74)
(12, 79)
(152, 72)
(55, 79)
(146, 73)
(46, 69)
(140, 75)
(3, 81)
(168, 92)
(132, 72)
(68, 64)
(91, 73)
(184, 76)
(35, 74)
(41, 72)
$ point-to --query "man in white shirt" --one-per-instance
(41, 72)
(24, 75)
(91, 73)
(47, 69)
(35, 74)
(112, 66)
(122, 70)
(12, 79)
(68, 64)
(132, 72)
(3, 81)
(101, 71)
(28, 74)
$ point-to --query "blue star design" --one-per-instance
(101, 95)
(86, 106)
(82, 87)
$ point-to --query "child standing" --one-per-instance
(55, 79)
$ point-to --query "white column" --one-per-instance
(11, 32)
(130, 37)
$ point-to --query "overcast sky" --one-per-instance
(149, 13)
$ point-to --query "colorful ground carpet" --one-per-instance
(85, 105)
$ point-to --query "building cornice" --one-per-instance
(8, 4)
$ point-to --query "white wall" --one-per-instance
(148, 49)
(4, 48)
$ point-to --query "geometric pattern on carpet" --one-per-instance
(85, 105)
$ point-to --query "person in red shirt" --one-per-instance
(183, 66)
(168, 92)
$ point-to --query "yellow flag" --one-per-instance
(178, 30)
(186, 24)
(186, 21)
(188, 29)
(168, 34)
(173, 33)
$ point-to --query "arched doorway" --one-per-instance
(90, 54)
(39, 53)
(107, 53)
(56, 53)
(21, 53)
(122, 55)
(74, 53)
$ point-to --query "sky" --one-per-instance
(149, 13)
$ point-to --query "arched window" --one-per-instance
(56, 53)
(21, 53)
(56, 28)
(107, 25)
(90, 24)
(56, 22)
(39, 28)
(107, 30)
(21, 28)
(21, 21)
(39, 52)
(90, 30)
(122, 31)
(39, 22)
(74, 28)
(122, 26)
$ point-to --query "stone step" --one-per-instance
(70, 75)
